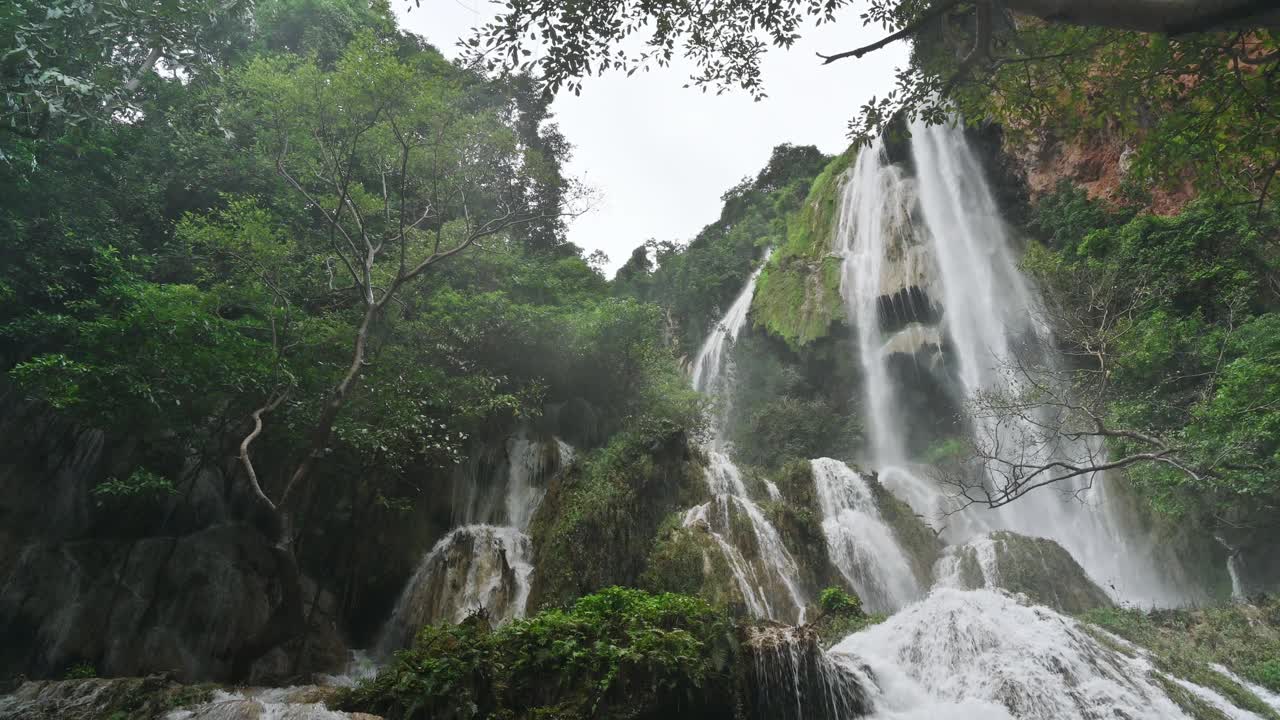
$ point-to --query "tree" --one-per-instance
(1198, 74)
(1171, 373)
(397, 176)
(69, 62)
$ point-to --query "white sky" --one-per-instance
(659, 155)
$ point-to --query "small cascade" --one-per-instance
(968, 566)
(981, 654)
(709, 364)
(862, 547)
(473, 567)
(792, 678)
(765, 572)
(762, 568)
(940, 311)
(486, 563)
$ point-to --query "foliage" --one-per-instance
(1180, 311)
(597, 526)
(72, 62)
(616, 653)
(81, 671)
(176, 257)
(698, 282)
(141, 482)
(1245, 638)
(835, 601)
(788, 405)
(1207, 110)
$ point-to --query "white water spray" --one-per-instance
(488, 561)
(983, 655)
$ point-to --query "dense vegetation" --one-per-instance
(321, 258)
(618, 653)
(1173, 323)
(312, 253)
(697, 282)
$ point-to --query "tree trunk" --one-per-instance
(333, 406)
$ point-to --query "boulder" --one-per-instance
(1036, 567)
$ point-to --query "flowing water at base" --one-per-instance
(982, 655)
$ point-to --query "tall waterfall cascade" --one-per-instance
(936, 301)
(486, 562)
(932, 287)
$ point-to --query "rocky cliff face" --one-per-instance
(1098, 162)
(174, 584)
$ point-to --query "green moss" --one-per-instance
(619, 653)
(688, 561)
(795, 482)
(800, 530)
(798, 294)
(833, 628)
(1041, 569)
(599, 520)
(1184, 643)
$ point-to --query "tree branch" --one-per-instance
(911, 29)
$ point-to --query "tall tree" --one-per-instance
(397, 175)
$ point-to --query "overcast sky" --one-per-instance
(660, 155)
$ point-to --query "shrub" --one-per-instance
(617, 653)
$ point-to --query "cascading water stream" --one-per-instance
(766, 574)
(487, 561)
(928, 271)
(862, 547)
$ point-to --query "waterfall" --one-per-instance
(980, 654)
(486, 562)
(862, 547)
(763, 569)
(940, 309)
(792, 678)
(473, 567)
(709, 364)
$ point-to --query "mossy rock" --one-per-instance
(598, 521)
(795, 482)
(798, 294)
(1196, 644)
(1039, 568)
(800, 529)
(686, 560)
